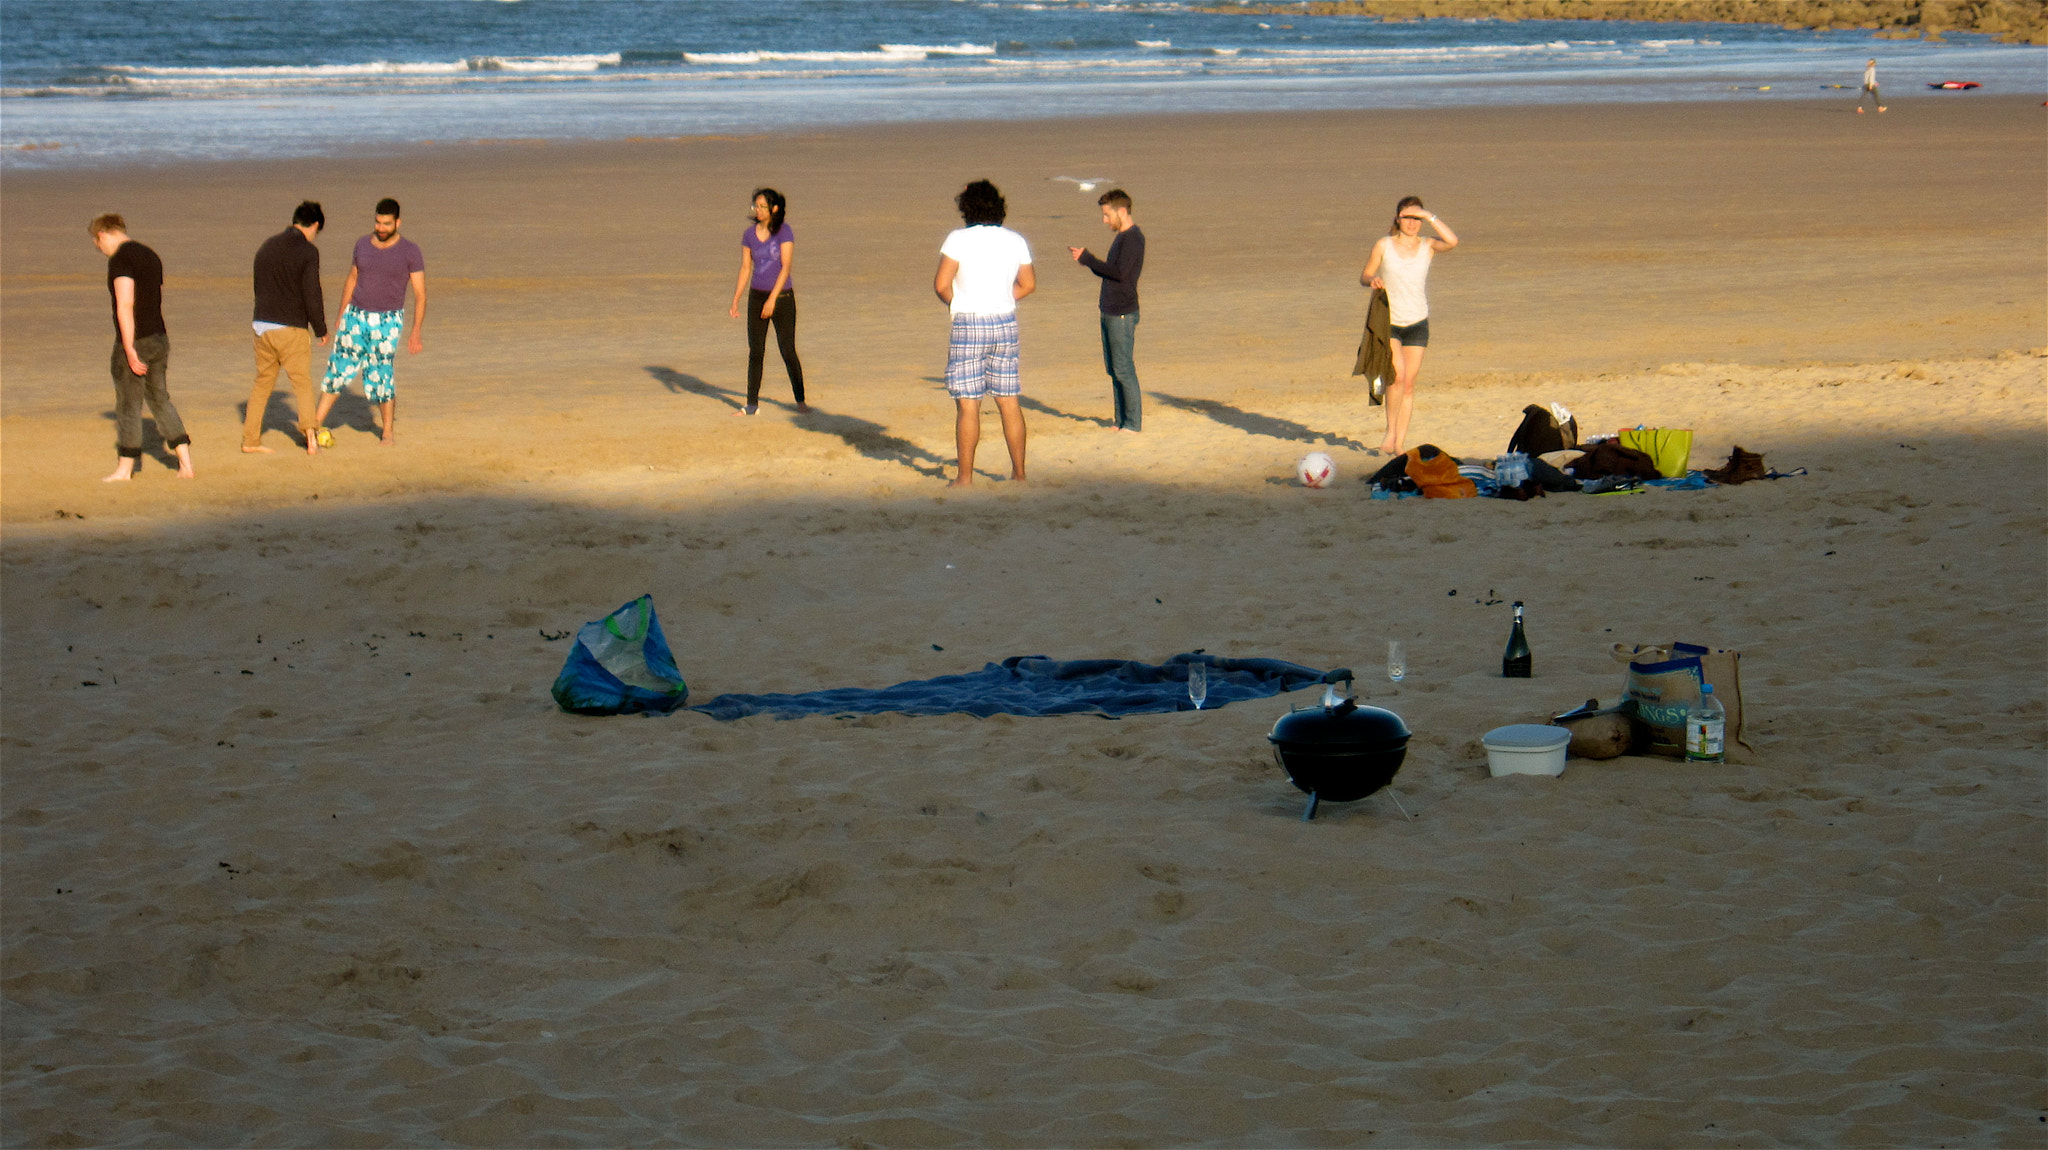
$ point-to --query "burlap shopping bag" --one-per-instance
(1662, 684)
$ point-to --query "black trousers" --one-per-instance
(785, 342)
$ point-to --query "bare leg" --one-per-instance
(1401, 396)
(389, 408)
(124, 470)
(185, 461)
(317, 435)
(966, 435)
(1013, 433)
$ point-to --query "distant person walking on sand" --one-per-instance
(142, 348)
(984, 269)
(1119, 305)
(288, 303)
(1400, 263)
(372, 316)
(767, 254)
(1869, 89)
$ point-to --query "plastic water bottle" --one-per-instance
(1511, 469)
(1705, 725)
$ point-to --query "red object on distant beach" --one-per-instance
(1956, 85)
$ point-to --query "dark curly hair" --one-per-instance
(980, 203)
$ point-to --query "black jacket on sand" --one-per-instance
(288, 282)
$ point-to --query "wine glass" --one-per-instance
(1397, 660)
(1198, 683)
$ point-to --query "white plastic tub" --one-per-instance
(1526, 749)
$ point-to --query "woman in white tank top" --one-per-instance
(1400, 264)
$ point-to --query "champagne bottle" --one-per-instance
(1516, 662)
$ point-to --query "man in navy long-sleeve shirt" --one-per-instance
(287, 279)
(1119, 273)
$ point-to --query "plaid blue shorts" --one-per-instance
(981, 359)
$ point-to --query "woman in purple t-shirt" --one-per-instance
(767, 251)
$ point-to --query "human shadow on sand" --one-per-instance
(1252, 423)
(350, 411)
(869, 439)
(681, 383)
(152, 440)
(1030, 404)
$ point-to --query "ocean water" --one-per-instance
(103, 82)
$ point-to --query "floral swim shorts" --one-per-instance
(366, 343)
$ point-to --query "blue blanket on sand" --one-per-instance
(1036, 685)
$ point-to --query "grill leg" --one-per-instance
(1309, 812)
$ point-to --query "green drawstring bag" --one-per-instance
(1670, 447)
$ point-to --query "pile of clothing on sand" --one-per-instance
(1545, 456)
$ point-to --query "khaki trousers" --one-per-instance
(290, 348)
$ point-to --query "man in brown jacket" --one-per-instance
(287, 304)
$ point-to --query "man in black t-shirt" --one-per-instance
(142, 348)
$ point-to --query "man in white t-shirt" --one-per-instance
(1869, 89)
(984, 269)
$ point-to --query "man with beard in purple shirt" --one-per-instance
(372, 316)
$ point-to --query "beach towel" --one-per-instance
(1037, 685)
(621, 665)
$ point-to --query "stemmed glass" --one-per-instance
(1198, 683)
(1397, 660)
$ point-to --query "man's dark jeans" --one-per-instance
(131, 391)
(1119, 334)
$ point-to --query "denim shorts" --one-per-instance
(981, 358)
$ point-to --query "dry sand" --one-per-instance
(317, 862)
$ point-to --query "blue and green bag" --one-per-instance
(621, 666)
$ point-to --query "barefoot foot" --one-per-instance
(259, 449)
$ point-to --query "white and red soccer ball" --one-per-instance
(1316, 469)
